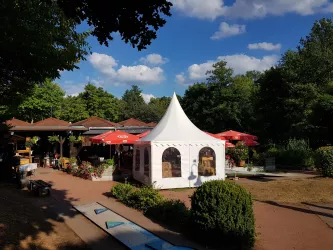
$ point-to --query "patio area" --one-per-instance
(279, 226)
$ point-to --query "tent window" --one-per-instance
(137, 160)
(146, 162)
(207, 162)
(171, 163)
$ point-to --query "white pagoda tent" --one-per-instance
(176, 154)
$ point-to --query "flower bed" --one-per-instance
(86, 170)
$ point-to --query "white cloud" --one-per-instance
(210, 9)
(250, 8)
(154, 59)
(240, 63)
(72, 89)
(226, 30)
(103, 63)
(138, 74)
(147, 97)
(181, 78)
(265, 46)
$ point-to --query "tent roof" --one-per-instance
(176, 126)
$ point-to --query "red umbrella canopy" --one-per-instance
(117, 137)
(234, 135)
(215, 136)
(143, 134)
(249, 143)
(98, 138)
(229, 145)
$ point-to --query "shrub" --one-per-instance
(109, 162)
(172, 213)
(222, 212)
(122, 192)
(295, 154)
(324, 161)
(145, 198)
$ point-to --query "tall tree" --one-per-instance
(159, 105)
(37, 42)
(100, 103)
(133, 102)
(44, 102)
(136, 21)
(72, 109)
(316, 52)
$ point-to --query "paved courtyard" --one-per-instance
(279, 226)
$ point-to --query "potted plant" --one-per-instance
(30, 143)
(239, 153)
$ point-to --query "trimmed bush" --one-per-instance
(145, 198)
(122, 192)
(324, 161)
(222, 214)
(172, 213)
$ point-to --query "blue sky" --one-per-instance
(248, 34)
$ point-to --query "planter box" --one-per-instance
(108, 175)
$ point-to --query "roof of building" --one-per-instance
(176, 126)
(16, 122)
(95, 121)
(51, 122)
(133, 122)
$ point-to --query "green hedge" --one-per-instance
(173, 213)
(222, 215)
(324, 161)
(122, 192)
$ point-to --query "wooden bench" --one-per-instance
(40, 187)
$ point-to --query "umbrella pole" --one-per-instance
(110, 151)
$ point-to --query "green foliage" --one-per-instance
(172, 213)
(33, 141)
(109, 162)
(72, 109)
(73, 161)
(145, 198)
(99, 102)
(74, 139)
(324, 161)
(223, 102)
(222, 211)
(44, 43)
(42, 103)
(122, 192)
(145, 18)
(295, 154)
(53, 139)
(239, 153)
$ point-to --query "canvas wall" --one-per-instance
(189, 154)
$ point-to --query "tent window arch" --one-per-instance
(137, 160)
(207, 162)
(146, 162)
(171, 163)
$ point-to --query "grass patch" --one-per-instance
(313, 190)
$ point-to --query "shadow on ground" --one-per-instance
(299, 209)
(31, 222)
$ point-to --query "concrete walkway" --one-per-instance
(69, 191)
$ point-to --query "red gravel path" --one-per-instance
(277, 227)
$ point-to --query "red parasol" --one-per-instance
(234, 135)
(229, 145)
(143, 134)
(249, 143)
(117, 137)
(98, 138)
(215, 136)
